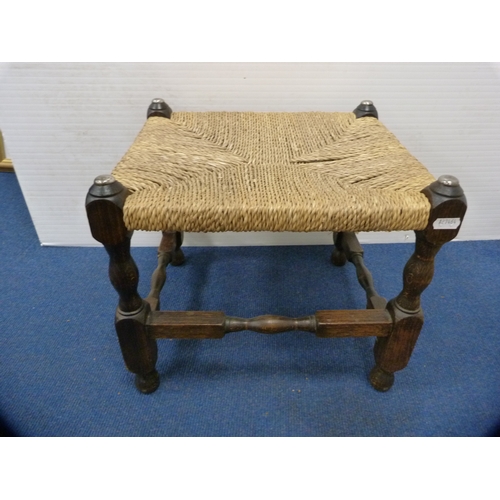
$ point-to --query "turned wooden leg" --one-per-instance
(169, 252)
(338, 257)
(392, 353)
(104, 206)
(178, 257)
(347, 245)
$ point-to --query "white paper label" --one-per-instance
(451, 223)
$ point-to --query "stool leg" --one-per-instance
(104, 207)
(392, 353)
(178, 256)
(338, 257)
(169, 252)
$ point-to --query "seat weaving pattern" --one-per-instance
(245, 171)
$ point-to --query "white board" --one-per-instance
(65, 123)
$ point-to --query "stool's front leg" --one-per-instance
(104, 206)
(392, 353)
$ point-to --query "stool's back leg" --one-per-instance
(169, 252)
(338, 257)
(178, 255)
(104, 207)
(392, 353)
(347, 245)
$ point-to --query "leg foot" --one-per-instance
(178, 258)
(380, 379)
(338, 258)
(171, 242)
(147, 383)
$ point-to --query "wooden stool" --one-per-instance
(205, 172)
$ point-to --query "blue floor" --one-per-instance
(61, 372)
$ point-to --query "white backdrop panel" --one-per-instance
(65, 123)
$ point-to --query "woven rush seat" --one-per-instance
(248, 171)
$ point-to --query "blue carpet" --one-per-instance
(61, 372)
